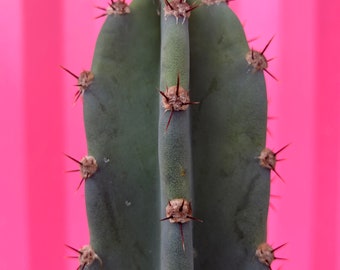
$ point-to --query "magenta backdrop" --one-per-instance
(40, 207)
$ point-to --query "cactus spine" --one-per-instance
(163, 163)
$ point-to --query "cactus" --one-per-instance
(175, 116)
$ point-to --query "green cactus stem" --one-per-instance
(121, 130)
(231, 190)
(176, 118)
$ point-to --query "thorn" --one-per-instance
(171, 114)
(269, 132)
(175, 98)
(265, 48)
(181, 207)
(69, 72)
(275, 196)
(76, 96)
(191, 103)
(81, 267)
(72, 257)
(280, 259)
(271, 117)
(168, 4)
(275, 249)
(252, 39)
(272, 206)
(268, 159)
(270, 74)
(278, 151)
(74, 249)
(82, 180)
(101, 8)
(72, 171)
(100, 16)
(273, 169)
(195, 219)
(192, 8)
(84, 175)
(112, 4)
(177, 85)
(259, 61)
(166, 218)
(75, 160)
(162, 93)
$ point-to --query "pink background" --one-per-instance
(40, 207)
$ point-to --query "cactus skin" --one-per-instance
(207, 155)
(231, 190)
(121, 131)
